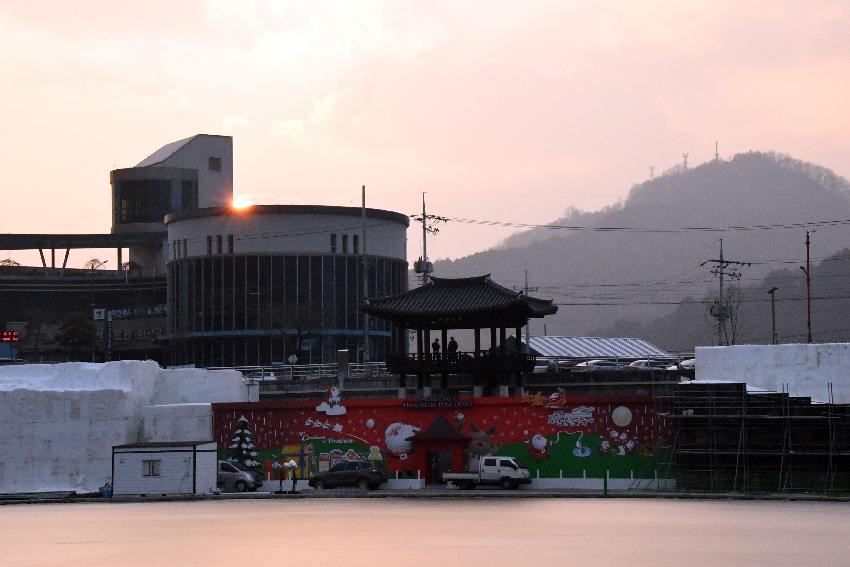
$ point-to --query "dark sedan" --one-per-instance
(366, 475)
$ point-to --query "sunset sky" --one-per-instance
(509, 111)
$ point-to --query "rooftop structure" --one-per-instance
(460, 303)
(594, 347)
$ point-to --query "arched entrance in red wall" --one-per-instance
(442, 447)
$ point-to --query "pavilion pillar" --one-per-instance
(493, 339)
(502, 339)
(402, 386)
(445, 345)
(518, 336)
(477, 342)
(427, 349)
(419, 350)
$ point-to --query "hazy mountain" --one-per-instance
(599, 278)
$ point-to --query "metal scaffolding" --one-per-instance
(729, 440)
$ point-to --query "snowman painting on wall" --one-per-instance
(333, 404)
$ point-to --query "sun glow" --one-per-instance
(241, 203)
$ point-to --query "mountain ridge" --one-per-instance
(579, 268)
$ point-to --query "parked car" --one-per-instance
(648, 365)
(261, 376)
(597, 366)
(687, 365)
(366, 475)
(233, 478)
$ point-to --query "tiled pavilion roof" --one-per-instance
(440, 430)
(460, 303)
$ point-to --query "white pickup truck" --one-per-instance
(494, 470)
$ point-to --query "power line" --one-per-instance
(698, 302)
(661, 230)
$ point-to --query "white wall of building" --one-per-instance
(215, 188)
(283, 233)
(61, 421)
(800, 369)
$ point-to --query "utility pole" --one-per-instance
(526, 289)
(365, 267)
(720, 310)
(423, 266)
(772, 292)
(808, 291)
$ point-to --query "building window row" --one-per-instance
(355, 244)
(216, 243)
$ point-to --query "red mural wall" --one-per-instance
(550, 433)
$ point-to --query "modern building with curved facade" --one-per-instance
(256, 286)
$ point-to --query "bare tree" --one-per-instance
(727, 316)
(734, 323)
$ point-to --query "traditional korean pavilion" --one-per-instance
(474, 303)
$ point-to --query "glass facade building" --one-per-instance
(257, 288)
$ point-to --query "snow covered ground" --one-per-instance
(799, 369)
(60, 421)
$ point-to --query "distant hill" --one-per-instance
(600, 278)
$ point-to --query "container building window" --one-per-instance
(151, 468)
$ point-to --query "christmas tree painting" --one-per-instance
(242, 450)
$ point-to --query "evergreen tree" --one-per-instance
(242, 450)
(77, 336)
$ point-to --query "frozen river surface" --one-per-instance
(433, 533)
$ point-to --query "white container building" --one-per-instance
(164, 468)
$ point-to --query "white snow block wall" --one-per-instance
(177, 422)
(803, 369)
(55, 440)
(60, 421)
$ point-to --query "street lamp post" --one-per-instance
(772, 292)
(291, 466)
(279, 469)
(807, 270)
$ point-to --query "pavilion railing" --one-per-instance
(461, 362)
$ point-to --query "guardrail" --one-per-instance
(312, 372)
